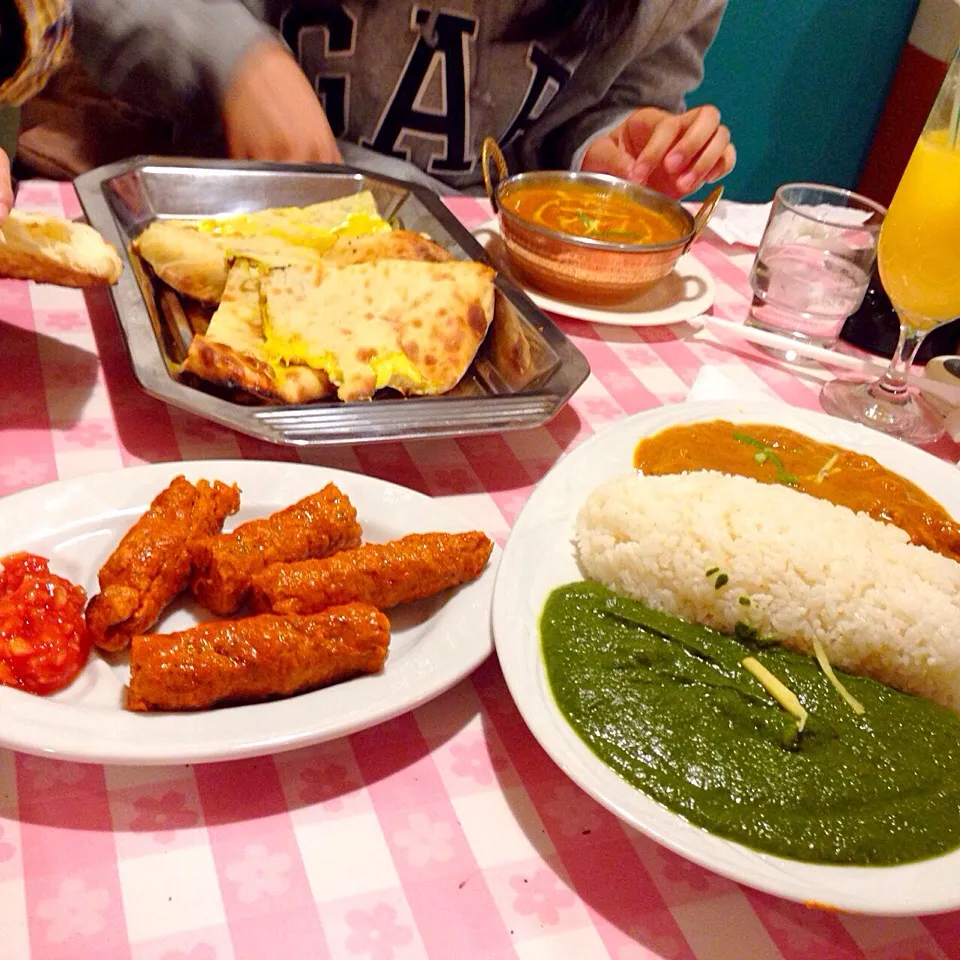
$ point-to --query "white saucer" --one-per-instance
(688, 292)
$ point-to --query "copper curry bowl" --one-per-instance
(582, 269)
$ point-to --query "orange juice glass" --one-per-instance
(919, 260)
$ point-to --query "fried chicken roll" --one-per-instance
(382, 574)
(151, 564)
(316, 526)
(255, 658)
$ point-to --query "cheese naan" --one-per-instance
(193, 256)
(405, 324)
(232, 352)
(195, 263)
(357, 211)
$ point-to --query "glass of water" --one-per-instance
(814, 262)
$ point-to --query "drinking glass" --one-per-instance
(919, 260)
(814, 261)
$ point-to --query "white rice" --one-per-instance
(880, 606)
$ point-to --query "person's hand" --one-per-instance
(673, 153)
(270, 111)
(6, 187)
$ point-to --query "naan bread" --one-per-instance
(195, 262)
(325, 299)
(49, 249)
(326, 215)
(232, 353)
(193, 256)
(409, 325)
(395, 245)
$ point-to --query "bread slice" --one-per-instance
(50, 249)
(301, 333)
(194, 256)
(232, 353)
(412, 326)
(195, 262)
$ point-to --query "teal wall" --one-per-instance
(801, 84)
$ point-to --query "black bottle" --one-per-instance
(875, 327)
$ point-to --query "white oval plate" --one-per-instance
(688, 292)
(77, 523)
(540, 556)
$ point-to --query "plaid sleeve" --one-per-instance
(48, 26)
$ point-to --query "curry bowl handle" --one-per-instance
(490, 153)
(704, 214)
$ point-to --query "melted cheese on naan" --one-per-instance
(405, 324)
(193, 256)
(232, 352)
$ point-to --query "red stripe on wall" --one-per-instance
(914, 88)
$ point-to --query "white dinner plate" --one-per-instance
(688, 292)
(539, 556)
(77, 524)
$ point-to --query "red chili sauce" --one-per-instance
(43, 637)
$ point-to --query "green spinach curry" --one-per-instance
(671, 708)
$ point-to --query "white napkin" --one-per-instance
(848, 216)
(712, 383)
(740, 222)
(745, 222)
(952, 426)
(937, 371)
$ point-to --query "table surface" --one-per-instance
(445, 834)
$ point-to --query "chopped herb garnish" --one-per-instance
(824, 471)
(712, 571)
(752, 441)
(592, 227)
(767, 453)
(722, 581)
(749, 634)
(744, 601)
(778, 690)
(855, 705)
(589, 222)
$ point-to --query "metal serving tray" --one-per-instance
(525, 371)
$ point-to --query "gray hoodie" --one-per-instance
(422, 82)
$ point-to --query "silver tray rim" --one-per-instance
(326, 424)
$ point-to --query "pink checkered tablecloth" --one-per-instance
(445, 834)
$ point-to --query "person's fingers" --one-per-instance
(271, 111)
(6, 187)
(635, 131)
(330, 152)
(726, 163)
(323, 145)
(311, 140)
(723, 166)
(315, 149)
(716, 173)
(658, 142)
(701, 124)
(273, 139)
(266, 141)
(605, 155)
(711, 154)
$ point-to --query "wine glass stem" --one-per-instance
(892, 386)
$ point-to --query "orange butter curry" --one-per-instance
(774, 454)
(585, 211)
